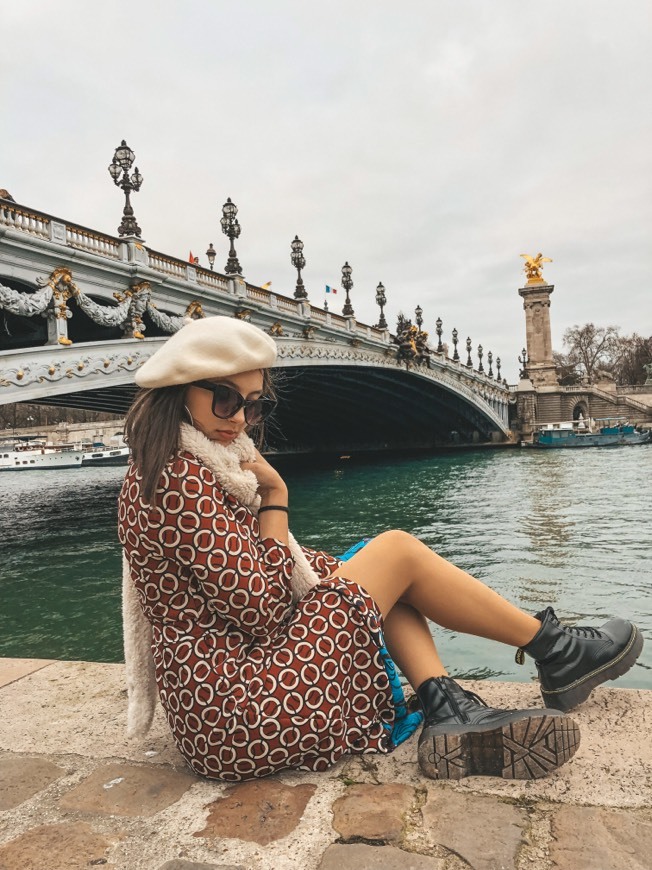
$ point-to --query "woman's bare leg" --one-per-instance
(411, 645)
(462, 736)
(396, 567)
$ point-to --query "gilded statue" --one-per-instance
(533, 267)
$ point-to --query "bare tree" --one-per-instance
(592, 347)
(633, 352)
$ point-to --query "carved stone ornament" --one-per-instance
(170, 323)
(53, 369)
(25, 304)
(51, 302)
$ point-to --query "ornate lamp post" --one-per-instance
(347, 283)
(299, 262)
(211, 254)
(456, 356)
(122, 162)
(438, 330)
(231, 228)
(469, 361)
(381, 301)
(523, 361)
(418, 314)
(480, 352)
(498, 368)
(490, 358)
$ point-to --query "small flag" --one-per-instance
(266, 285)
(331, 289)
(191, 259)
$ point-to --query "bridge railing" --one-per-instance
(25, 220)
(45, 226)
(95, 243)
(169, 265)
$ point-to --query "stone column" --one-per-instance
(536, 303)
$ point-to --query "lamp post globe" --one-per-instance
(347, 283)
(456, 356)
(119, 167)
(211, 253)
(381, 301)
(298, 261)
(231, 229)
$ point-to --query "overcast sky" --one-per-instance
(427, 143)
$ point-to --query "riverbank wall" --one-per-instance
(106, 431)
(75, 793)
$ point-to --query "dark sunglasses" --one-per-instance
(227, 402)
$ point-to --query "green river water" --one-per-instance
(570, 528)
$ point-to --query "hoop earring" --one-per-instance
(192, 422)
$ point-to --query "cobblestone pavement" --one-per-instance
(74, 793)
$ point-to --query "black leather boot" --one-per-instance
(462, 736)
(572, 661)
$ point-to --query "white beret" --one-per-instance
(212, 347)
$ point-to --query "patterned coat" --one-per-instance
(250, 683)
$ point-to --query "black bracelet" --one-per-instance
(274, 507)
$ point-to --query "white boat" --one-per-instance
(30, 456)
(103, 455)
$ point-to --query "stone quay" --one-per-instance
(75, 793)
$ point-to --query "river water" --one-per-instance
(570, 528)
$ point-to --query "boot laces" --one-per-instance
(579, 630)
(583, 631)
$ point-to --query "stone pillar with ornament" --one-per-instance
(536, 303)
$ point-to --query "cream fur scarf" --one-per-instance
(224, 461)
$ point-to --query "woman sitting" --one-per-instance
(267, 655)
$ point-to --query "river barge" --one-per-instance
(608, 432)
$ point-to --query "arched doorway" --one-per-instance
(580, 411)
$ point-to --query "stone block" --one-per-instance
(56, 847)
(585, 838)
(128, 790)
(258, 811)
(362, 857)
(372, 812)
(21, 778)
(485, 832)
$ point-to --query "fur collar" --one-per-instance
(224, 461)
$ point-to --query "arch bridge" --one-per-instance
(80, 311)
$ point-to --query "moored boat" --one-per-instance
(31, 455)
(608, 432)
(100, 454)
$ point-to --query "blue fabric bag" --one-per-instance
(405, 724)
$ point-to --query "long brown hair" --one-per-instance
(152, 430)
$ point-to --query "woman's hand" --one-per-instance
(271, 486)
